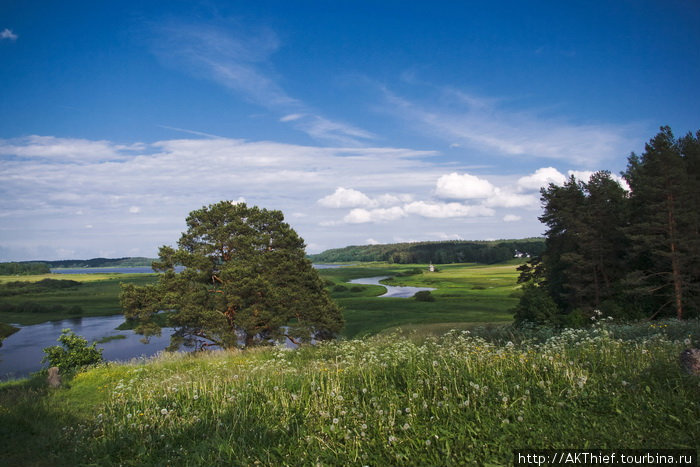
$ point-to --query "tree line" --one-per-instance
(24, 268)
(626, 254)
(436, 252)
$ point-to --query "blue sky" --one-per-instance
(363, 121)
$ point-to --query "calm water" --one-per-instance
(391, 291)
(21, 353)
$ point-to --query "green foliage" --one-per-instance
(536, 306)
(24, 268)
(245, 273)
(465, 398)
(73, 354)
(438, 252)
(626, 254)
(33, 307)
(424, 296)
(42, 286)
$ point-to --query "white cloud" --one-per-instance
(362, 216)
(511, 218)
(541, 179)
(291, 117)
(238, 57)
(505, 199)
(134, 210)
(446, 210)
(64, 149)
(491, 126)
(371, 241)
(464, 186)
(8, 34)
(345, 198)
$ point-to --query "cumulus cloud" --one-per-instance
(362, 216)
(463, 186)
(511, 218)
(345, 198)
(541, 179)
(447, 210)
(8, 34)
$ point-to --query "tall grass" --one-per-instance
(459, 399)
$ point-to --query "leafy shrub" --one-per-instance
(356, 289)
(424, 296)
(340, 288)
(74, 354)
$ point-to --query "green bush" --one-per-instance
(74, 354)
(340, 288)
(356, 289)
(424, 296)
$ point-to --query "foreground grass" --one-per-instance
(460, 399)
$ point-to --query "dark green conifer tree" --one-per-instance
(246, 278)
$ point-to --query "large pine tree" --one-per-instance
(246, 281)
(664, 229)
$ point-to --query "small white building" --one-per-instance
(431, 268)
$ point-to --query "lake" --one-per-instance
(21, 353)
(391, 290)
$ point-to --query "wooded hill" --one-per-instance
(487, 252)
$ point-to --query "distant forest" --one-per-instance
(625, 254)
(486, 252)
(22, 268)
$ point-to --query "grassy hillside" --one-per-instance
(461, 399)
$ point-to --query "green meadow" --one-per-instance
(97, 295)
(465, 398)
(466, 294)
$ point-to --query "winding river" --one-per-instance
(391, 290)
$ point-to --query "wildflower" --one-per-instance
(406, 426)
(335, 421)
(435, 363)
(164, 411)
(393, 439)
(686, 341)
(520, 418)
(428, 442)
(407, 410)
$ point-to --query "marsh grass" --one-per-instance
(465, 398)
(466, 293)
(97, 296)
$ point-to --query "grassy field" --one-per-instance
(462, 399)
(97, 296)
(466, 294)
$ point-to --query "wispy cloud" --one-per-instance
(8, 34)
(239, 58)
(492, 126)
